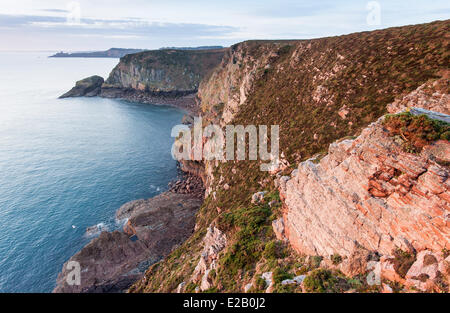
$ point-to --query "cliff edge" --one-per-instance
(323, 233)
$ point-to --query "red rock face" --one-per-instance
(368, 192)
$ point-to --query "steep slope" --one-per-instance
(318, 91)
(163, 72)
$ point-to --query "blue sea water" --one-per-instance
(67, 164)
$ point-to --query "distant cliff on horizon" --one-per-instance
(110, 53)
(121, 52)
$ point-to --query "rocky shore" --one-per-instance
(190, 184)
(93, 87)
(182, 100)
(152, 229)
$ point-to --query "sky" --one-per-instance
(87, 25)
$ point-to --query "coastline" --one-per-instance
(186, 100)
(152, 227)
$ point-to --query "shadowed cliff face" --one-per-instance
(318, 91)
(164, 71)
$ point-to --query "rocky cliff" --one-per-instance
(369, 193)
(169, 76)
(359, 202)
(161, 74)
(370, 204)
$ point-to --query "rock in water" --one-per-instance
(88, 87)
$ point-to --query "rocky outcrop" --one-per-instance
(214, 242)
(162, 219)
(164, 71)
(162, 76)
(428, 270)
(194, 168)
(317, 91)
(169, 77)
(368, 192)
(189, 184)
(113, 261)
(236, 76)
(88, 87)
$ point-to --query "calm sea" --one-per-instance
(68, 164)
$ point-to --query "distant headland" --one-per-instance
(110, 53)
(121, 52)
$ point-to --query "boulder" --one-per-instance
(424, 273)
(181, 287)
(268, 278)
(296, 280)
(278, 229)
(258, 197)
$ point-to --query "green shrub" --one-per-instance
(320, 280)
(403, 261)
(315, 261)
(416, 131)
(212, 274)
(274, 249)
(336, 259)
(260, 283)
(281, 274)
(248, 248)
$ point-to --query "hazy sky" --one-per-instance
(101, 24)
